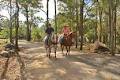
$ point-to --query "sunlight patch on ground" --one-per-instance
(33, 49)
(109, 76)
(61, 71)
(37, 64)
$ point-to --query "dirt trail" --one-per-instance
(77, 66)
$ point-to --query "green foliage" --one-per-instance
(37, 34)
(22, 32)
(90, 35)
(4, 33)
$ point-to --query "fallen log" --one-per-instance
(100, 47)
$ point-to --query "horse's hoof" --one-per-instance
(49, 56)
(66, 54)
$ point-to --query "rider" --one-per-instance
(65, 32)
(49, 32)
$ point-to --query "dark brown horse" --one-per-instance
(67, 42)
(51, 43)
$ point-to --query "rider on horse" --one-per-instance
(49, 32)
(65, 32)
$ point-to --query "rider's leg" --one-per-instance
(49, 38)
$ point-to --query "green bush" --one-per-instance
(36, 34)
(4, 33)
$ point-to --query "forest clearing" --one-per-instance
(59, 40)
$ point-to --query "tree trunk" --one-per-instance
(10, 26)
(17, 26)
(28, 28)
(115, 13)
(81, 24)
(77, 22)
(112, 23)
(96, 34)
(100, 22)
(47, 12)
(55, 16)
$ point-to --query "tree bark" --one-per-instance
(47, 12)
(81, 23)
(55, 16)
(10, 26)
(17, 26)
(96, 34)
(28, 28)
(100, 22)
(112, 23)
(77, 22)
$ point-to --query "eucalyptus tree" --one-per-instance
(112, 24)
(68, 8)
(55, 4)
(17, 24)
(47, 12)
(81, 23)
(11, 21)
(27, 4)
(77, 21)
(9, 6)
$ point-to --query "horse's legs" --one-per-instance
(49, 51)
(55, 47)
(67, 50)
(46, 47)
(62, 48)
(46, 51)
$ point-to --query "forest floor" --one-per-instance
(77, 66)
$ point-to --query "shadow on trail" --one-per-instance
(99, 62)
(77, 66)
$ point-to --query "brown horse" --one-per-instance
(67, 42)
(51, 43)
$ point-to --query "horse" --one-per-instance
(51, 42)
(67, 42)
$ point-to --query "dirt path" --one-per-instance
(77, 66)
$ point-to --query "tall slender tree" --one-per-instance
(81, 30)
(55, 2)
(100, 20)
(10, 22)
(77, 22)
(27, 22)
(17, 25)
(47, 12)
(112, 25)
